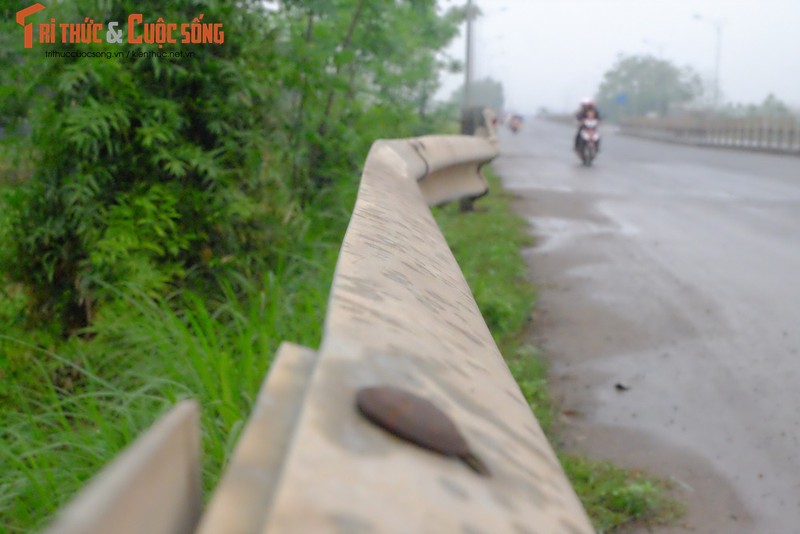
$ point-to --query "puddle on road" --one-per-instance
(554, 232)
(521, 184)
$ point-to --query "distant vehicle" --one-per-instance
(588, 140)
(515, 123)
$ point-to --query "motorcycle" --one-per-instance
(588, 141)
(515, 123)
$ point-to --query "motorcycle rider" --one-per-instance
(586, 111)
(516, 122)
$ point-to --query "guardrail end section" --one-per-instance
(242, 501)
(454, 172)
(153, 486)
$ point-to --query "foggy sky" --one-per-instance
(552, 53)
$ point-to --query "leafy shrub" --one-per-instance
(145, 167)
(151, 169)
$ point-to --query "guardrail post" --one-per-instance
(485, 127)
(153, 487)
(241, 502)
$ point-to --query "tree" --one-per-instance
(638, 85)
(151, 169)
(772, 106)
(361, 69)
(485, 92)
(146, 167)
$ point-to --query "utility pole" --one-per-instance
(468, 61)
(718, 27)
(467, 119)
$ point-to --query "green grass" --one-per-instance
(615, 497)
(82, 404)
(487, 245)
(67, 407)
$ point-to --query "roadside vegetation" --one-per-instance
(487, 244)
(166, 222)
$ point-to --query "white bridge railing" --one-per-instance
(401, 315)
(776, 134)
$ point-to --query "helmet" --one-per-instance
(586, 102)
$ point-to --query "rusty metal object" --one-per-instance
(417, 420)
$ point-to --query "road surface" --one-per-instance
(673, 271)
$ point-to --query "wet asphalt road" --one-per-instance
(674, 271)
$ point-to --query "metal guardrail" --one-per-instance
(778, 134)
(400, 314)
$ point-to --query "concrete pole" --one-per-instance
(468, 62)
(718, 27)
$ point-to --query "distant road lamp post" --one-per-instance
(718, 28)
